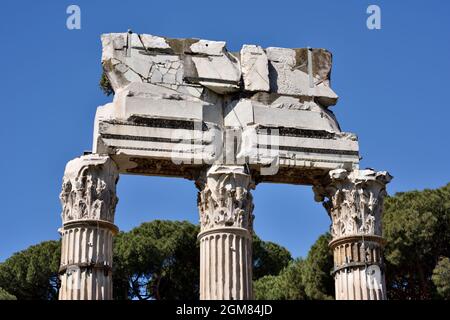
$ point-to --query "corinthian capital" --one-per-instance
(354, 201)
(89, 189)
(224, 198)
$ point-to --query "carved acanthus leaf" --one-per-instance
(224, 199)
(354, 201)
(89, 189)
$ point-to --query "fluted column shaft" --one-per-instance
(88, 199)
(225, 206)
(354, 201)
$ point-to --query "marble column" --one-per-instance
(225, 207)
(354, 201)
(88, 199)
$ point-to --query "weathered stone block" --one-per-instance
(255, 68)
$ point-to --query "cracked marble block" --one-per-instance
(255, 68)
(179, 98)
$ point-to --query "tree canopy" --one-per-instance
(32, 273)
(417, 231)
(157, 260)
(268, 258)
(288, 285)
(307, 279)
(441, 278)
(160, 259)
(4, 295)
(416, 226)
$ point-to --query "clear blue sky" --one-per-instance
(393, 86)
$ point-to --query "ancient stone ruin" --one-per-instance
(228, 121)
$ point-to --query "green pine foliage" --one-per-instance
(4, 295)
(416, 226)
(160, 259)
